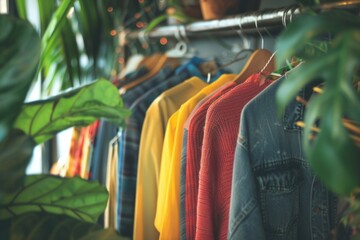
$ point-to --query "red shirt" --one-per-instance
(194, 143)
(217, 158)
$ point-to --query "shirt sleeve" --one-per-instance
(245, 218)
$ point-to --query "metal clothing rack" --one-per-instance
(265, 19)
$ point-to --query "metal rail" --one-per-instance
(258, 20)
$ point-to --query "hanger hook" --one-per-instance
(143, 40)
(177, 35)
(257, 28)
(246, 43)
(181, 45)
(293, 9)
(183, 33)
(285, 16)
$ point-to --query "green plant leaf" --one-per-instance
(333, 154)
(71, 53)
(15, 154)
(34, 226)
(303, 29)
(90, 25)
(46, 10)
(156, 21)
(21, 8)
(79, 107)
(19, 58)
(73, 197)
(299, 77)
(54, 27)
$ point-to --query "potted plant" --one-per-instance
(45, 206)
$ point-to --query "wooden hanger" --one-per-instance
(257, 63)
(150, 61)
(164, 60)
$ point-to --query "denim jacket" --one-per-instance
(275, 195)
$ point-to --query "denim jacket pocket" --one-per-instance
(279, 194)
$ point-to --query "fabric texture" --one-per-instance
(167, 218)
(98, 168)
(111, 185)
(128, 149)
(151, 145)
(215, 165)
(75, 152)
(131, 77)
(130, 144)
(191, 156)
(131, 95)
(88, 146)
(274, 193)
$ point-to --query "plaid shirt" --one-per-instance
(130, 96)
(106, 132)
(129, 147)
(130, 77)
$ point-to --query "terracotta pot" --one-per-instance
(192, 8)
(214, 9)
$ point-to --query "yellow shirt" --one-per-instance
(151, 145)
(168, 205)
(111, 184)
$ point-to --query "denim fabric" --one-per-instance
(182, 186)
(275, 195)
(191, 67)
(106, 132)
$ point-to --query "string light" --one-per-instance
(137, 15)
(163, 41)
(113, 32)
(140, 24)
(145, 46)
(121, 60)
(70, 13)
(110, 9)
(140, 1)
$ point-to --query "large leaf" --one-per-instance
(71, 53)
(79, 107)
(15, 154)
(333, 156)
(19, 58)
(303, 29)
(46, 10)
(53, 29)
(90, 25)
(333, 153)
(73, 197)
(34, 226)
(21, 8)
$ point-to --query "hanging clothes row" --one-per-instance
(204, 158)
